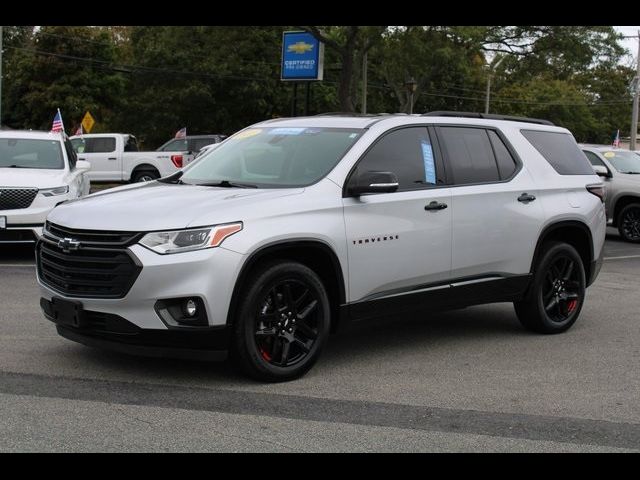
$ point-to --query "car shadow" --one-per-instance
(363, 342)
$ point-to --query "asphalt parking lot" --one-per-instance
(468, 380)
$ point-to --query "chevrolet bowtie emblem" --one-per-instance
(300, 47)
(68, 244)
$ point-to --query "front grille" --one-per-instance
(17, 236)
(97, 269)
(16, 198)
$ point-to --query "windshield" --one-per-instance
(274, 157)
(29, 153)
(624, 162)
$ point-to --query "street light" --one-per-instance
(411, 85)
(489, 75)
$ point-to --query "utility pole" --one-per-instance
(489, 76)
(364, 83)
(636, 99)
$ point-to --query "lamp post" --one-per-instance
(489, 76)
(411, 85)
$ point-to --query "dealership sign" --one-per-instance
(302, 57)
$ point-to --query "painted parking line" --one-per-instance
(622, 257)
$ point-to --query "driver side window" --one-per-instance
(408, 153)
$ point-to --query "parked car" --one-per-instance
(620, 171)
(38, 170)
(292, 227)
(191, 143)
(114, 157)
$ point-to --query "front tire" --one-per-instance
(629, 223)
(282, 323)
(145, 176)
(557, 292)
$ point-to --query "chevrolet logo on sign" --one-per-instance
(67, 245)
(300, 48)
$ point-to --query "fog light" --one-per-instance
(190, 308)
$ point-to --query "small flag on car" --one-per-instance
(57, 125)
(182, 133)
(79, 130)
(616, 140)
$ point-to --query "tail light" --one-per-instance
(177, 160)
(598, 190)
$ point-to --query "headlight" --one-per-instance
(52, 192)
(177, 241)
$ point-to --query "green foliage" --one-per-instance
(153, 80)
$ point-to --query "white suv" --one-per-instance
(293, 226)
(38, 170)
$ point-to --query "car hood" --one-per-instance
(31, 177)
(157, 206)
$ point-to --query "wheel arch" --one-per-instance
(622, 201)
(143, 167)
(573, 232)
(315, 254)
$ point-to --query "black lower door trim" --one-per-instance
(463, 292)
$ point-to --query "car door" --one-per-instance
(396, 247)
(496, 219)
(106, 163)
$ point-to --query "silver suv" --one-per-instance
(620, 170)
(292, 227)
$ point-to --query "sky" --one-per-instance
(630, 44)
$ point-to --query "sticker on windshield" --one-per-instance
(248, 133)
(286, 131)
(429, 165)
(609, 154)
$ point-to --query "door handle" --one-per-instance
(112, 158)
(83, 159)
(526, 198)
(435, 206)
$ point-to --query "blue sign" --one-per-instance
(429, 165)
(302, 57)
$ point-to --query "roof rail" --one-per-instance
(356, 114)
(489, 116)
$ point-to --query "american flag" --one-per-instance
(57, 125)
(79, 130)
(182, 133)
(616, 140)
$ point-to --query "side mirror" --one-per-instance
(374, 182)
(83, 165)
(601, 171)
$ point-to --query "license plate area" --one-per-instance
(67, 312)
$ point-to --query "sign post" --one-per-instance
(302, 60)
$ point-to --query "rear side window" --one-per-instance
(470, 156)
(100, 145)
(594, 159)
(561, 151)
(506, 164)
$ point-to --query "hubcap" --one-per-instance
(561, 289)
(631, 224)
(287, 323)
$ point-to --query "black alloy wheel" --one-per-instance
(557, 291)
(282, 322)
(629, 223)
(287, 323)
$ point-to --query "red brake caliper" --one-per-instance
(572, 305)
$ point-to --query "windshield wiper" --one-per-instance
(228, 184)
(632, 173)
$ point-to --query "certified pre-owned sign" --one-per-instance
(302, 57)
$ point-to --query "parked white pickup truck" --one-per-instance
(114, 157)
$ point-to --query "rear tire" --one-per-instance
(145, 176)
(282, 323)
(557, 291)
(628, 222)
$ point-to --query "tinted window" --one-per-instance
(100, 145)
(71, 154)
(407, 153)
(178, 145)
(561, 151)
(28, 153)
(198, 143)
(506, 164)
(131, 145)
(594, 159)
(469, 155)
